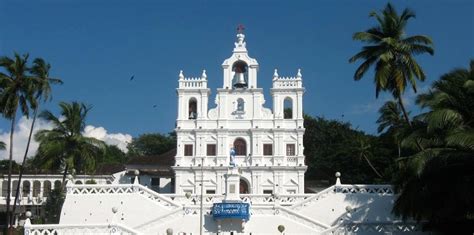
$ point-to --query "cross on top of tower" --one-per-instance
(240, 28)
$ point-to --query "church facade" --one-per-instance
(268, 143)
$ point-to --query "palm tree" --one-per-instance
(16, 92)
(391, 120)
(363, 149)
(437, 183)
(65, 146)
(42, 89)
(392, 53)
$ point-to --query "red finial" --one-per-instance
(240, 28)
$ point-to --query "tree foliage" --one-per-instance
(65, 146)
(53, 206)
(391, 52)
(332, 146)
(152, 144)
(437, 183)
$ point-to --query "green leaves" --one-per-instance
(392, 52)
(65, 145)
(436, 183)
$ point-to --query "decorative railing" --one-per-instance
(253, 199)
(271, 199)
(59, 229)
(364, 189)
(193, 83)
(287, 82)
(377, 227)
(122, 189)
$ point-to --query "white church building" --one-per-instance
(268, 142)
(239, 169)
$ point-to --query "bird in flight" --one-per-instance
(154, 106)
(131, 78)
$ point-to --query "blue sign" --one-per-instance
(231, 210)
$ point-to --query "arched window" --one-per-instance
(4, 188)
(13, 188)
(78, 182)
(240, 147)
(192, 109)
(26, 188)
(288, 108)
(36, 188)
(240, 105)
(46, 188)
(240, 70)
(57, 184)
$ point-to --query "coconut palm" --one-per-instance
(392, 53)
(16, 92)
(437, 183)
(2, 145)
(65, 146)
(363, 149)
(391, 120)
(42, 90)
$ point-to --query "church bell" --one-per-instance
(240, 80)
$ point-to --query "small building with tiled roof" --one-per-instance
(154, 171)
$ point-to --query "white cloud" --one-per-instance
(22, 130)
(100, 133)
(20, 138)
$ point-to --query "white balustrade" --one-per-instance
(117, 189)
(378, 228)
(192, 83)
(59, 229)
(287, 82)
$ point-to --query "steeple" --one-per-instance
(240, 71)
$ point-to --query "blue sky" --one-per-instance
(96, 46)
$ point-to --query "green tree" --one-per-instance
(331, 145)
(392, 53)
(151, 144)
(65, 146)
(113, 155)
(391, 121)
(2, 145)
(437, 183)
(53, 205)
(42, 91)
(16, 91)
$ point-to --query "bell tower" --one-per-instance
(240, 71)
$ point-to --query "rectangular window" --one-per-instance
(267, 149)
(210, 191)
(290, 150)
(211, 150)
(188, 150)
(155, 182)
(267, 191)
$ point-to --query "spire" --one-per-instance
(298, 75)
(240, 43)
(275, 74)
(181, 75)
(204, 75)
